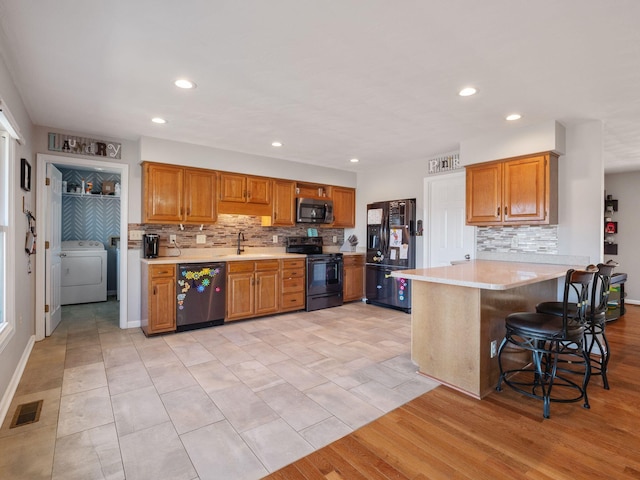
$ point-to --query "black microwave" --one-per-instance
(314, 210)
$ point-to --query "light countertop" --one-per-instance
(170, 256)
(487, 274)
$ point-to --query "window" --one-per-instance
(6, 263)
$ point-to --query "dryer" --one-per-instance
(84, 272)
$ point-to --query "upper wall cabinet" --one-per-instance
(515, 191)
(173, 194)
(344, 207)
(283, 203)
(244, 194)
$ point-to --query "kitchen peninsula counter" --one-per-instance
(459, 310)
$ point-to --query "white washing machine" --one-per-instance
(84, 272)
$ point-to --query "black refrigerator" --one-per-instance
(391, 245)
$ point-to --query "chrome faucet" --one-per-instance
(240, 239)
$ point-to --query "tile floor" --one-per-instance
(231, 402)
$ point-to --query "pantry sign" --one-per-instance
(59, 142)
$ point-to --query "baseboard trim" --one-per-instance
(5, 402)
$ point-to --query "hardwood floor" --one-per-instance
(444, 434)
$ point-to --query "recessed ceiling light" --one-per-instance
(158, 120)
(184, 83)
(276, 144)
(354, 160)
(468, 91)
(514, 116)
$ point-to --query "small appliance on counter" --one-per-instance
(150, 244)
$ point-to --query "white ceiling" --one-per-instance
(331, 79)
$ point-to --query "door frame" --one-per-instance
(43, 217)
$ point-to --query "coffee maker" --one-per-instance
(150, 242)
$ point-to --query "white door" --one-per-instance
(52, 254)
(448, 238)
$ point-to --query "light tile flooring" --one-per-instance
(231, 402)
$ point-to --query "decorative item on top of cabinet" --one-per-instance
(515, 191)
(244, 194)
(252, 288)
(158, 306)
(610, 226)
(293, 280)
(353, 277)
(344, 207)
(173, 194)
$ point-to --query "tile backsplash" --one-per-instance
(224, 233)
(521, 239)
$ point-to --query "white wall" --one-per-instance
(397, 181)
(24, 293)
(581, 192)
(624, 188)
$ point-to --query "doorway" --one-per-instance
(45, 216)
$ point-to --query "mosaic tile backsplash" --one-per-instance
(522, 239)
(224, 233)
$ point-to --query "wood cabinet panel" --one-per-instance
(245, 194)
(353, 277)
(162, 193)
(267, 292)
(240, 295)
(517, 191)
(344, 207)
(293, 284)
(200, 196)
(159, 299)
(173, 194)
(525, 183)
(484, 193)
(252, 289)
(284, 203)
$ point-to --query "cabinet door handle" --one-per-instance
(506, 211)
(155, 292)
(498, 214)
(188, 211)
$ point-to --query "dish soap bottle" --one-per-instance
(117, 190)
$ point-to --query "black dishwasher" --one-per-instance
(200, 295)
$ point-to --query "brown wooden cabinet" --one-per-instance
(244, 194)
(293, 279)
(344, 207)
(284, 203)
(252, 289)
(158, 299)
(173, 194)
(353, 277)
(516, 191)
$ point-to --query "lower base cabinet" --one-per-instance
(252, 289)
(293, 285)
(159, 302)
(353, 277)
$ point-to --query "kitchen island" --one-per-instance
(458, 313)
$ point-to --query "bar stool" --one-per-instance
(548, 337)
(595, 335)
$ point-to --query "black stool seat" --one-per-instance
(540, 325)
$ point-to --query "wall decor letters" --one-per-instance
(59, 142)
